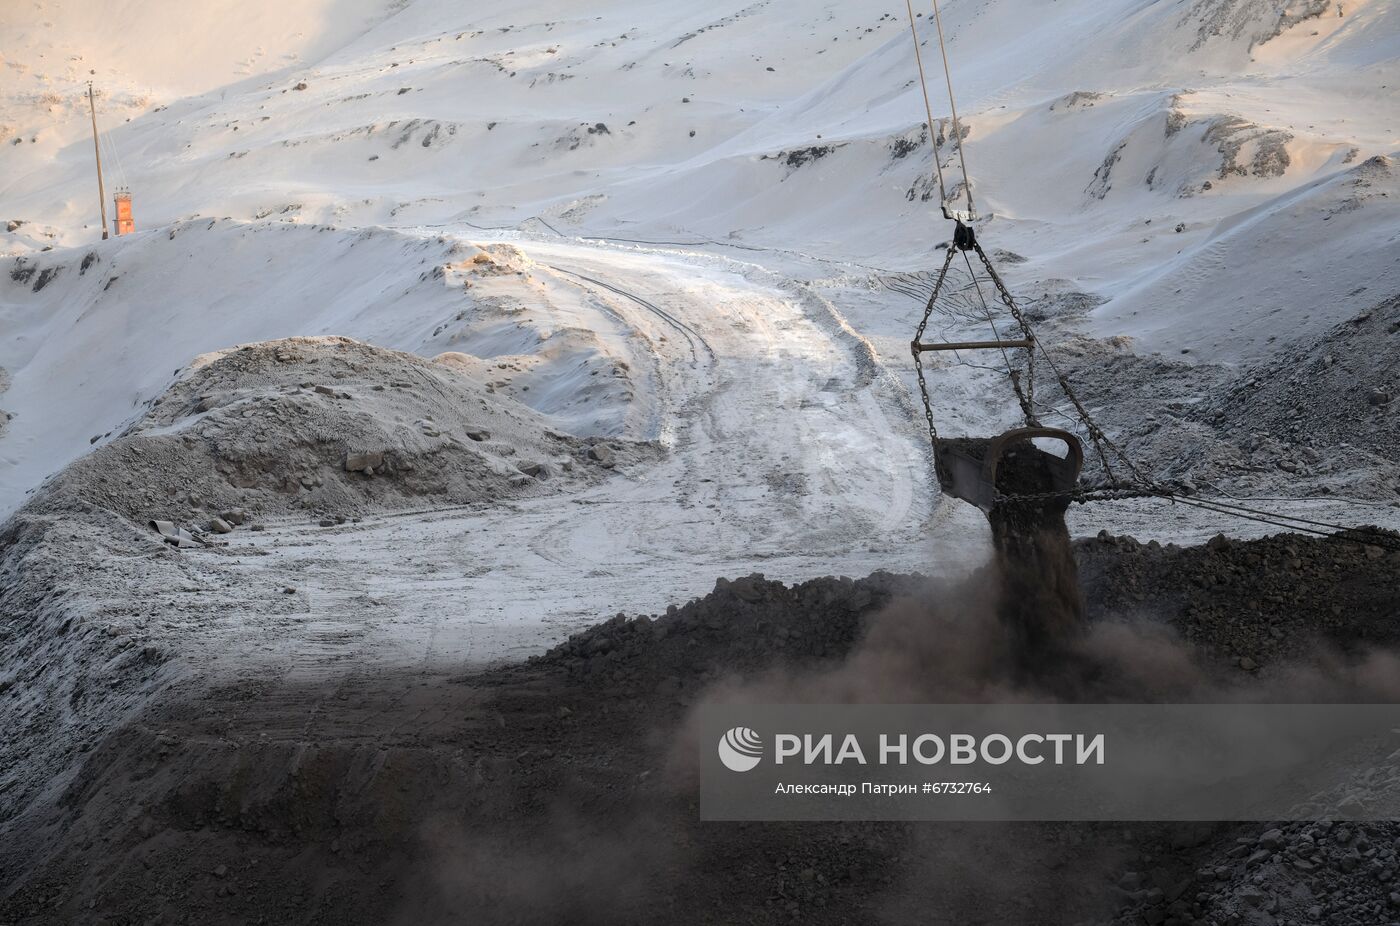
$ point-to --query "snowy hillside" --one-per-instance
(1213, 176)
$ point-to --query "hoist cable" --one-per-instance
(953, 107)
(1383, 539)
(928, 107)
(1312, 522)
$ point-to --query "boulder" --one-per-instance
(365, 461)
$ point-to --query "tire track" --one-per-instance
(692, 336)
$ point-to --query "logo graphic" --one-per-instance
(740, 749)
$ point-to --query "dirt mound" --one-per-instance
(73, 670)
(328, 426)
(91, 600)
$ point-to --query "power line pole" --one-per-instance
(97, 151)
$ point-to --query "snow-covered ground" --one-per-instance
(704, 226)
(783, 458)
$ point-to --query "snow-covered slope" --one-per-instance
(95, 334)
(657, 115)
(1216, 174)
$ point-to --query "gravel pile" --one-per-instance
(1341, 391)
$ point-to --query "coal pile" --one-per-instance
(749, 624)
(1321, 874)
(1253, 602)
(562, 790)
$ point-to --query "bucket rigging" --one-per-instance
(1008, 476)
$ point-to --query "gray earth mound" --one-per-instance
(1337, 391)
(329, 426)
(1321, 417)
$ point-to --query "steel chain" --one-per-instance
(1103, 445)
(1096, 434)
(919, 357)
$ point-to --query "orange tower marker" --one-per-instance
(125, 223)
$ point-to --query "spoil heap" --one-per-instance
(328, 426)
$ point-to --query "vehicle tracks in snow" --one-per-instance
(688, 332)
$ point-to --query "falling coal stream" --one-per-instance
(1039, 602)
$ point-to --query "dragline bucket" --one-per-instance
(980, 470)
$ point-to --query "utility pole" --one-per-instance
(97, 151)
